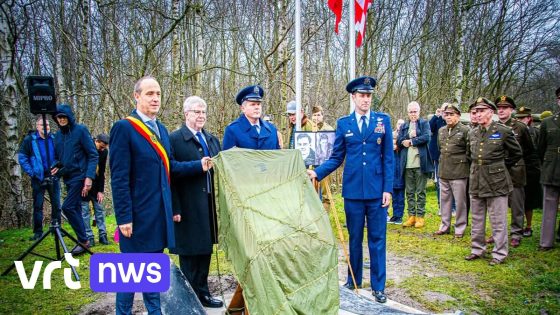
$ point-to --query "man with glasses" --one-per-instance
(492, 150)
(415, 159)
(453, 171)
(142, 166)
(194, 205)
(96, 194)
(249, 131)
(549, 153)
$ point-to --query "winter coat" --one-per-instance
(30, 155)
(193, 197)
(74, 149)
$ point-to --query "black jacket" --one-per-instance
(197, 231)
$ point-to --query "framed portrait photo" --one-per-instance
(315, 147)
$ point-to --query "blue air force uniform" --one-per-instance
(242, 134)
(368, 173)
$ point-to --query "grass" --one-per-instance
(528, 283)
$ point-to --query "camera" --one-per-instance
(60, 167)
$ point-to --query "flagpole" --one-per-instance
(298, 65)
(352, 45)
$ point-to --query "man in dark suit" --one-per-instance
(194, 208)
(141, 167)
(365, 140)
(249, 131)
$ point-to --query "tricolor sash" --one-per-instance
(145, 132)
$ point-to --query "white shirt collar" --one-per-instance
(359, 117)
(194, 131)
(144, 117)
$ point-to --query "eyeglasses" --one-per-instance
(197, 112)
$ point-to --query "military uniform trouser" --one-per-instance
(453, 189)
(497, 211)
(516, 201)
(551, 195)
(415, 186)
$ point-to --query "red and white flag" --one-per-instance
(336, 8)
(360, 19)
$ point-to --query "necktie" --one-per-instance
(364, 126)
(258, 128)
(153, 126)
(203, 143)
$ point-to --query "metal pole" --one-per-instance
(352, 45)
(298, 65)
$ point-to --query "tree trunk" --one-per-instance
(12, 208)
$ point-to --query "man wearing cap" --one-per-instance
(318, 120)
(305, 124)
(249, 131)
(453, 171)
(549, 153)
(77, 157)
(364, 139)
(416, 162)
(95, 195)
(194, 206)
(518, 171)
(141, 166)
(492, 150)
(533, 189)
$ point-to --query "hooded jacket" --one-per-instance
(74, 148)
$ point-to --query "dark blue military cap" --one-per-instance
(253, 93)
(363, 84)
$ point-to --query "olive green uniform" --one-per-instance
(491, 151)
(518, 175)
(549, 152)
(453, 173)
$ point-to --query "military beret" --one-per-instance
(453, 108)
(363, 84)
(505, 100)
(252, 93)
(523, 111)
(483, 101)
(291, 107)
(103, 138)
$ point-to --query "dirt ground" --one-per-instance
(398, 269)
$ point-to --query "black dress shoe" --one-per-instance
(380, 296)
(350, 286)
(209, 301)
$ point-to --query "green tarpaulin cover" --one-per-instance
(274, 230)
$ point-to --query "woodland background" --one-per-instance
(426, 50)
